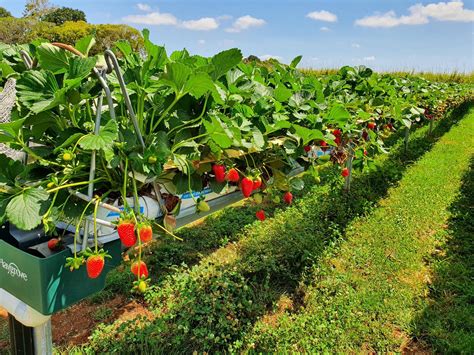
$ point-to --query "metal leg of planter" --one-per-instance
(27, 340)
(43, 339)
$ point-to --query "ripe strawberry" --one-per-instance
(146, 233)
(95, 265)
(246, 186)
(233, 175)
(219, 172)
(260, 214)
(345, 172)
(126, 232)
(337, 132)
(371, 125)
(257, 182)
(139, 271)
(323, 144)
(307, 148)
(337, 140)
(288, 197)
(54, 244)
(365, 152)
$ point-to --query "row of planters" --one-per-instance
(124, 144)
(214, 305)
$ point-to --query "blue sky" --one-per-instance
(385, 35)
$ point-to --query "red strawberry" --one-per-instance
(345, 172)
(246, 186)
(365, 135)
(219, 172)
(288, 197)
(260, 214)
(139, 271)
(95, 265)
(337, 140)
(307, 148)
(54, 244)
(371, 125)
(233, 175)
(323, 144)
(126, 232)
(365, 152)
(145, 233)
(336, 132)
(257, 182)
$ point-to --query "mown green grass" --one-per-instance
(209, 306)
(371, 293)
(447, 322)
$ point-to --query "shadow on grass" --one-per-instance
(210, 306)
(447, 323)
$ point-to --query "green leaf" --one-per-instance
(10, 131)
(79, 68)
(216, 131)
(224, 61)
(85, 44)
(24, 210)
(176, 76)
(108, 134)
(339, 114)
(297, 184)
(294, 63)
(53, 58)
(199, 84)
(306, 134)
(69, 141)
(282, 93)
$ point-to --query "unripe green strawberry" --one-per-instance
(258, 198)
(276, 199)
(203, 206)
(142, 286)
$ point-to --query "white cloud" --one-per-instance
(202, 41)
(202, 24)
(152, 18)
(224, 17)
(322, 15)
(369, 58)
(324, 29)
(244, 23)
(420, 14)
(355, 45)
(270, 56)
(144, 7)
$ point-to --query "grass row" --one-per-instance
(447, 77)
(210, 305)
(377, 289)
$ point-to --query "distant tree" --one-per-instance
(37, 8)
(63, 14)
(5, 13)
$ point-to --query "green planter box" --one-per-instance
(45, 284)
